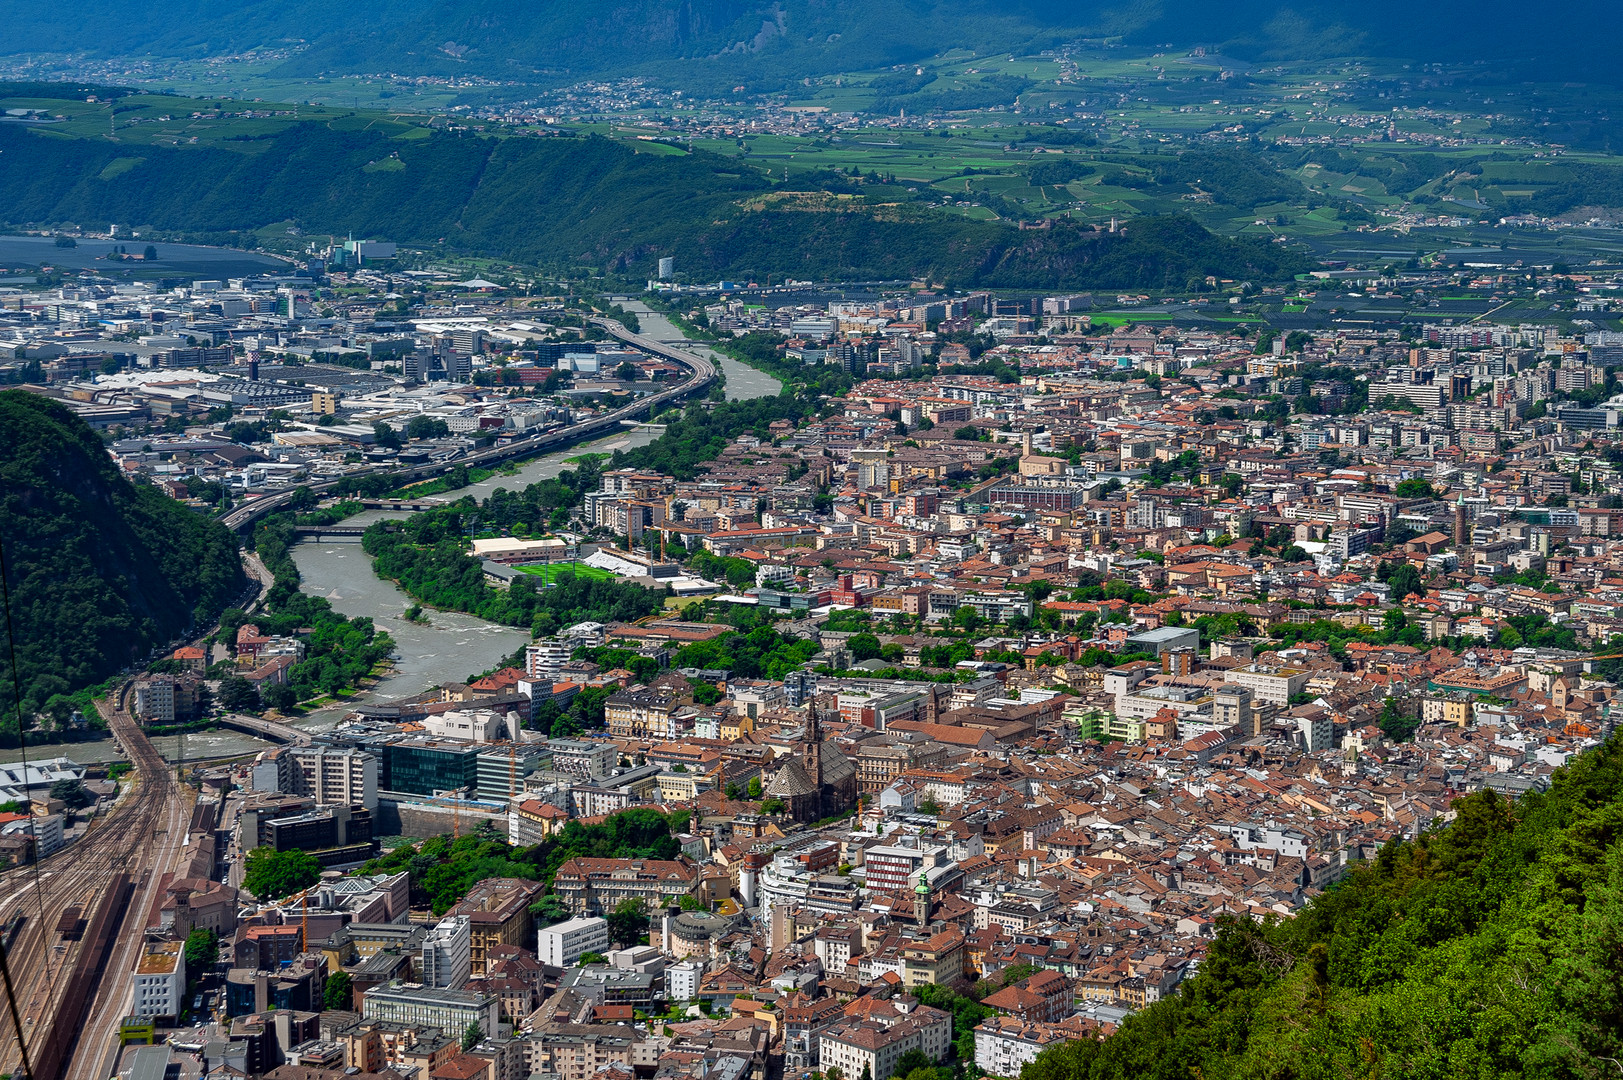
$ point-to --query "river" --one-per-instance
(451, 646)
(743, 381)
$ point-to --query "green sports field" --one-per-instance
(550, 571)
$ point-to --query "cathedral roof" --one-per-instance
(792, 780)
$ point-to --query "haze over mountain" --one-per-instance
(767, 44)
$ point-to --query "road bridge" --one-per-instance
(269, 730)
(330, 532)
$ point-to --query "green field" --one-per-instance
(549, 572)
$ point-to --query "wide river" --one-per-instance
(451, 646)
(743, 381)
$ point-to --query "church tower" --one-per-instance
(921, 901)
(814, 750)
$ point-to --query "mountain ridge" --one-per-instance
(772, 43)
(101, 571)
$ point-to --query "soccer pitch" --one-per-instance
(549, 571)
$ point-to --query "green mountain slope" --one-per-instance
(591, 201)
(101, 571)
(1489, 947)
(772, 43)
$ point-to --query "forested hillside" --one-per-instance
(591, 201)
(1490, 947)
(101, 571)
(769, 44)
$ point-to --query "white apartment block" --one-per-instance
(1272, 686)
(1004, 1045)
(682, 980)
(160, 980)
(563, 944)
(869, 1045)
(337, 776)
(448, 953)
(155, 700)
(448, 1010)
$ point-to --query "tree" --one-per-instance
(968, 432)
(592, 958)
(628, 922)
(1415, 488)
(754, 787)
(1394, 724)
(385, 436)
(912, 1059)
(279, 696)
(271, 875)
(72, 793)
(1405, 580)
(337, 994)
(471, 1035)
(968, 618)
(426, 427)
(1015, 972)
(626, 372)
(238, 694)
(202, 949)
(550, 909)
(150, 254)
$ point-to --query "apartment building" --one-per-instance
(160, 981)
(448, 1010)
(448, 953)
(592, 886)
(563, 944)
(872, 1047)
(498, 910)
(331, 774)
(1271, 685)
(641, 713)
(583, 757)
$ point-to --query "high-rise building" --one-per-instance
(331, 774)
(1231, 707)
(448, 953)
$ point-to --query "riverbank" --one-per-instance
(743, 381)
(451, 645)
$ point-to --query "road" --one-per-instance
(703, 373)
(143, 835)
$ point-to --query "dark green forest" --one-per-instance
(101, 571)
(578, 202)
(1491, 946)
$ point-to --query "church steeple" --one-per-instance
(921, 901)
(814, 750)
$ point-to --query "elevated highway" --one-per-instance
(702, 375)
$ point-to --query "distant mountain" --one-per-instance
(574, 202)
(772, 43)
(101, 570)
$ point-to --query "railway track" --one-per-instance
(145, 828)
(145, 832)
